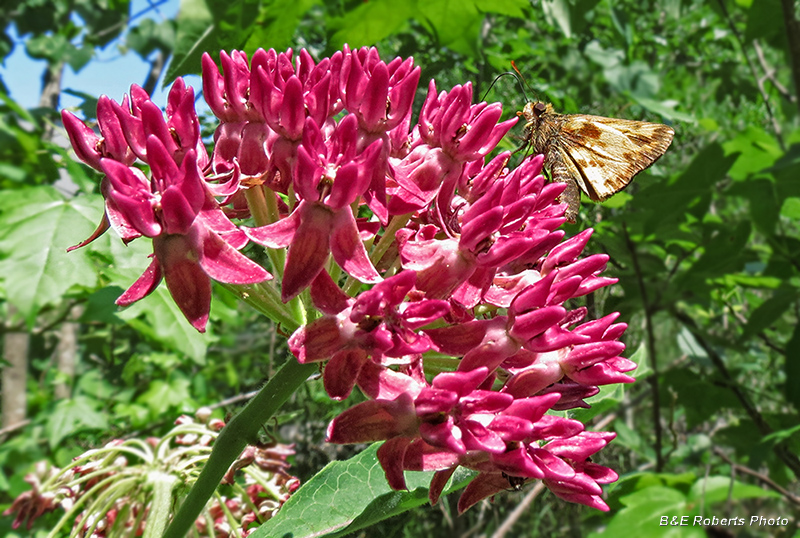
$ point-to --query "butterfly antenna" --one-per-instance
(498, 77)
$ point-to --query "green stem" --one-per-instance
(162, 483)
(240, 431)
(267, 300)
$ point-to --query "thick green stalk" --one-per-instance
(240, 431)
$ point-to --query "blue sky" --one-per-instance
(110, 72)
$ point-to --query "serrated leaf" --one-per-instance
(34, 236)
(71, 416)
(347, 496)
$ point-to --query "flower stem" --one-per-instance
(240, 431)
(161, 506)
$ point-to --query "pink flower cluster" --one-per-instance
(464, 257)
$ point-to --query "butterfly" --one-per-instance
(593, 154)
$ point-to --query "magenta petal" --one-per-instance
(276, 235)
(223, 263)
(188, 284)
(130, 192)
(534, 323)
(84, 141)
(144, 285)
(327, 296)
(460, 383)
(442, 435)
(341, 372)
(553, 466)
(482, 486)
(438, 482)
(349, 251)
(308, 252)
(391, 455)
(373, 420)
(317, 341)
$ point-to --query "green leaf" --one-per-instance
(701, 399)
(209, 26)
(757, 150)
(665, 109)
(71, 416)
(164, 322)
(512, 8)
(347, 496)
(690, 192)
(370, 22)
(792, 368)
(643, 513)
(557, 13)
(723, 254)
(769, 311)
(277, 24)
(716, 489)
(36, 228)
(791, 208)
(165, 394)
(457, 29)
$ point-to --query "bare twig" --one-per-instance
(769, 73)
(14, 427)
(793, 36)
(764, 96)
(520, 509)
(234, 400)
(767, 481)
(651, 349)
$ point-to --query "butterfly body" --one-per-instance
(593, 154)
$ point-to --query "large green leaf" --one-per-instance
(36, 227)
(347, 496)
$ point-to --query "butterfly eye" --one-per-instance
(539, 108)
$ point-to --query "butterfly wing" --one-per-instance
(603, 154)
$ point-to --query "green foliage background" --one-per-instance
(705, 244)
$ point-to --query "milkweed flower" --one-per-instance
(430, 271)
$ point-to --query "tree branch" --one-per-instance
(791, 497)
(651, 350)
